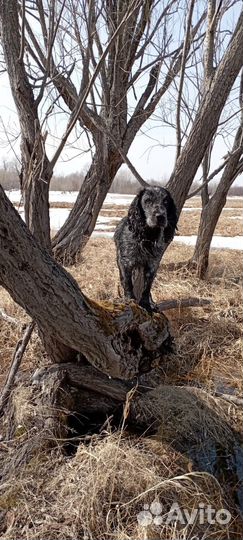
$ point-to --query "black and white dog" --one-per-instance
(141, 239)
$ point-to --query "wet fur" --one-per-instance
(140, 246)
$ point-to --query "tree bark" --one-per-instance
(120, 340)
(213, 207)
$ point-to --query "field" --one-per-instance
(99, 491)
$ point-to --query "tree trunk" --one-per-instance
(35, 180)
(207, 118)
(77, 229)
(208, 221)
(213, 207)
(36, 174)
(120, 340)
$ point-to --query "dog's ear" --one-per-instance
(172, 217)
(135, 212)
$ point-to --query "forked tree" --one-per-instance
(104, 348)
(120, 46)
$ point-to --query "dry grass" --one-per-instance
(226, 226)
(98, 493)
(232, 202)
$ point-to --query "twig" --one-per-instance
(9, 319)
(17, 358)
(232, 399)
(182, 303)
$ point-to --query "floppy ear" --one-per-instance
(172, 217)
(136, 213)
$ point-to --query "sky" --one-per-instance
(152, 152)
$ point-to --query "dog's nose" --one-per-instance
(160, 213)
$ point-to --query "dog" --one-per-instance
(141, 238)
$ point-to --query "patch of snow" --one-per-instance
(106, 219)
(59, 215)
(14, 195)
(71, 196)
(103, 227)
(218, 242)
(118, 199)
(102, 234)
(187, 209)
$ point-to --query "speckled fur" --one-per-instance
(141, 238)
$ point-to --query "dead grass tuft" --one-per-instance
(99, 493)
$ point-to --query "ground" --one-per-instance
(99, 492)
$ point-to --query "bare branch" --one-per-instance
(50, 45)
(76, 113)
(21, 54)
(17, 358)
(185, 51)
(141, 113)
(182, 303)
(8, 319)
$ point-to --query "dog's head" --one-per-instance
(154, 207)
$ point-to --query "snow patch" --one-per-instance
(218, 242)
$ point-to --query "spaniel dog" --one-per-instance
(141, 239)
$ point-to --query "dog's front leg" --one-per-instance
(146, 300)
(126, 280)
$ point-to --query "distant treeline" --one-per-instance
(124, 182)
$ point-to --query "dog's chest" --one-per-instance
(150, 248)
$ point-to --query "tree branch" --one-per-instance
(185, 51)
(21, 54)
(182, 303)
(80, 103)
(17, 358)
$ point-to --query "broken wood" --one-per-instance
(86, 377)
(231, 399)
(182, 303)
(17, 358)
(9, 319)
